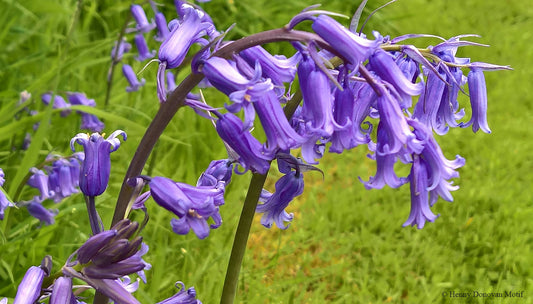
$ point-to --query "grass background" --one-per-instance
(346, 244)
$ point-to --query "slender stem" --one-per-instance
(241, 238)
(94, 218)
(245, 221)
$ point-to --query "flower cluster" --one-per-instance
(54, 182)
(88, 121)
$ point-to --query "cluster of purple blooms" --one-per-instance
(356, 91)
(88, 121)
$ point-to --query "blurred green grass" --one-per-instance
(346, 244)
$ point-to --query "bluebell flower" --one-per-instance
(91, 122)
(29, 289)
(88, 121)
(395, 124)
(62, 291)
(420, 211)
(351, 107)
(273, 205)
(426, 110)
(39, 181)
(96, 166)
(142, 48)
(123, 47)
(317, 109)
(174, 49)
(162, 27)
(184, 296)
(131, 77)
(4, 202)
(38, 211)
(352, 47)
(383, 64)
(192, 205)
(279, 132)
(218, 170)
(440, 169)
(251, 155)
(139, 15)
(243, 91)
(385, 174)
(64, 178)
(278, 68)
(58, 103)
(478, 101)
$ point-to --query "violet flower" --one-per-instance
(62, 291)
(162, 27)
(184, 296)
(273, 205)
(4, 202)
(40, 181)
(395, 124)
(279, 132)
(91, 122)
(440, 170)
(352, 47)
(64, 178)
(317, 109)
(58, 103)
(38, 211)
(123, 47)
(110, 254)
(385, 174)
(192, 205)
(88, 121)
(478, 100)
(142, 48)
(231, 130)
(96, 166)
(174, 49)
(218, 170)
(420, 211)
(243, 91)
(139, 15)
(278, 68)
(131, 77)
(29, 289)
(383, 64)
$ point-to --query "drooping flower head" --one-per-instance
(88, 121)
(96, 166)
(139, 15)
(478, 100)
(131, 77)
(142, 48)
(58, 103)
(420, 211)
(273, 205)
(182, 36)
(119, 49)
(192, 205)
(231, 130)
